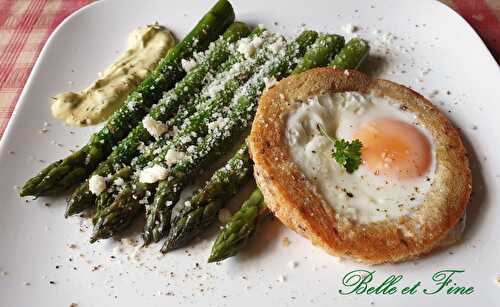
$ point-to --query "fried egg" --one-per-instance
(407, 196)
(398, 156)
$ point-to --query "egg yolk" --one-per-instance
(394, 148)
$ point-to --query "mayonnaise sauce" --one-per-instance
(146, 46)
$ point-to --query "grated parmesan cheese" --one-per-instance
(277, 46)
(269, 82)
(188, 65)
(173, 156)
(119, 182)
(153, 174)
(388, 38)
(154, 127)
(219, 123)
(248, 47)
(293, 264)
(97, 184)
(141, 147)
(349, 28)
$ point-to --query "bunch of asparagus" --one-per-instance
(198, 116)
(235, 235)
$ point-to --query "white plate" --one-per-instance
(433, 49)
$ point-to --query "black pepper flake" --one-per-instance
(52, 282)
(58, 266)
(349, 194)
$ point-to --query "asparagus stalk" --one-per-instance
(130, 201)
(241, 227)
(126, 206)
(71, 170)
(200, 211)
(184, 91)
(168, 192)
(352, 55)
(118, 180)
(321, 52)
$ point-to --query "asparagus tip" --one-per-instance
(99, 233)
(146, 239)
(213, 258)
(28, 190)
(94, 238)
(69, 211)
(166, 248)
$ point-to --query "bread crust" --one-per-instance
(292, 197)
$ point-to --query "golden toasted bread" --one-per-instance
(292, 197)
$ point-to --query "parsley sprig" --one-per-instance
(347, 154)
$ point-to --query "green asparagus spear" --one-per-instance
(200, 211)
(352, 55)
(236, 234)
(239, 229)
(158, 215)
(71, 170)
(321, 52)
(126, 205)
(184, 91)
(130, 201)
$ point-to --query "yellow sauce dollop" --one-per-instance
(146, 47)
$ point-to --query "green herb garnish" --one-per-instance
(347, 154)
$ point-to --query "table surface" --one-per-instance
(25, 26)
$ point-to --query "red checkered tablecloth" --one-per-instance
(25, 25)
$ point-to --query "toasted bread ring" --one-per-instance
(292, 197)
